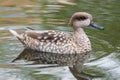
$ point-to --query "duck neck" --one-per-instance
(79, 34)
(81, 38)
(79, 31)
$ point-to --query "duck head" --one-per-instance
(83, 19)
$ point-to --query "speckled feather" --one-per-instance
(49, 41)
(59, 47)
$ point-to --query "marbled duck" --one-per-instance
(58, 47)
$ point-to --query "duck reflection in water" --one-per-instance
(57, 47)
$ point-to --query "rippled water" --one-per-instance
(55, 14)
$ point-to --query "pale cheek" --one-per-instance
(86, 22)
(77, 24)
(82, 23)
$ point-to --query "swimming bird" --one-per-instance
(58, 47)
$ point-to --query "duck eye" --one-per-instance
(81, 18)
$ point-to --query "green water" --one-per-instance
(55, 14)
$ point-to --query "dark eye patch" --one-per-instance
(81, 18)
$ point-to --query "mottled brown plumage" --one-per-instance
(57, 47)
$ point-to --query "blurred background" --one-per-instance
(55, 14)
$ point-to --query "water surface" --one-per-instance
(55, 14)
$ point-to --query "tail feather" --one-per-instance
(30, 28)
(15, 33)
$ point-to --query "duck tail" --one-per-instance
(15, 34)
(29, 28)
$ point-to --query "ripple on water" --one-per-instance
(47, 14)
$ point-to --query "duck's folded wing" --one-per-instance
(49, 41)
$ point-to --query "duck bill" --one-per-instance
(96, 26)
